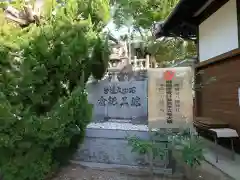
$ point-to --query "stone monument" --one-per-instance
(123, 102)
(170, 100)
(122, 95)
(119, 101)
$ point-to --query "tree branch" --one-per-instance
(29, 13)
(12, 11)
(20, 21)
(25, 17)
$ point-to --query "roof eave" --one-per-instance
(186, 17)
(182, 13)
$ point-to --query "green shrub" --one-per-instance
(44, 109)
(32, 145)
(100, 58)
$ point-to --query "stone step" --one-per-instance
(116, 133)
(131, 170)
(107, 143)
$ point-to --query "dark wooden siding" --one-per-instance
(219, 99)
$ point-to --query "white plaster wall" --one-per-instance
(219, 33)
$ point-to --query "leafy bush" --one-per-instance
(44, 109)
(185, 146)
(100, 58)
(144, 147)
(189, 147)
(29, 143)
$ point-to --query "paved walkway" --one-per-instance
(225, 163)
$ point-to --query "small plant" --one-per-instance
(185, 146)
(189, 147)
(145, 147)
(192, 153)
(138, 145)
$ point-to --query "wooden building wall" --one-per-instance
(219, 99)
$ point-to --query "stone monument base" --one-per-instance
(106, 144)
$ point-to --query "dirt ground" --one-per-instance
(77, 172)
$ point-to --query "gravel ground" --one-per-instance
(120, 126)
